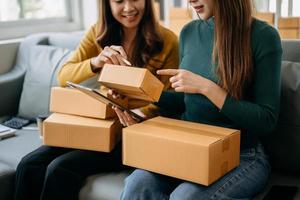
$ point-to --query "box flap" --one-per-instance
(173, 135)
(122, 75)
(78, 120)
(221, 131)
(183, 131)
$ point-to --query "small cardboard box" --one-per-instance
(157, 10)
(176, 25)
(133, 82)
(72, 101)
(190, 151)
(77, 132)
(266, 16)
(178, 18)
(180, 13)
(289, 22)
(289, 33)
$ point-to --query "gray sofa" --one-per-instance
(25, 91)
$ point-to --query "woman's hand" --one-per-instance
(186, 81)
(189, 82)
(111, 55)
(115, 94)
(124, 117)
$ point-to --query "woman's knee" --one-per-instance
(141, 184)
(189, 191)
(55, 167)
(137, 180)
(26, 162)
(61, 169)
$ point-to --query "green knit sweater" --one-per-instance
(257, 113)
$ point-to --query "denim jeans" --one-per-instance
(242, 183)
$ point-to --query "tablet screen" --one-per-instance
(97, 95)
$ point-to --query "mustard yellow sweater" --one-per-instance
(78, 67)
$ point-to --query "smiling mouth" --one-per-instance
(199, 7)
(130, 15)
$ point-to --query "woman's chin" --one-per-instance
(203, 16)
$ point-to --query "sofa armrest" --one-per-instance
(11, 85)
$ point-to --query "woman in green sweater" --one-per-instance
(229, 76)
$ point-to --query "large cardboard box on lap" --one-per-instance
(72, 101)
(190, 151)
(133, 82)
(77, 132)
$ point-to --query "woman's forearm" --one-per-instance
(214, 93)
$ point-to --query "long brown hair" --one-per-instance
(232, 50)
(148, 41)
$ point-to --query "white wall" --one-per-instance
(90, 12)
(262, 5)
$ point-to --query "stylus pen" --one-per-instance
(126, 61)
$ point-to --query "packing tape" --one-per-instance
(225, 144)
(184, 129)
(224, 168)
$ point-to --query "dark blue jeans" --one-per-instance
(242, 183)
(53, 173)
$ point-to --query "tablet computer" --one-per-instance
(97, 95)
(6, 132)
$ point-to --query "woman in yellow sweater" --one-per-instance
(128, 30)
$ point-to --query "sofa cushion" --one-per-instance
(283, 144)
(5, 170)
(65, 40)
(108, 186)
(42, 63)
(13, 149)
(290, 96)
(11, 152)
(291, 49)
(7, 175)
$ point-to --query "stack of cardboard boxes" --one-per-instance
(82, 122)
(289, 27)
(190, 151)
(79, 121)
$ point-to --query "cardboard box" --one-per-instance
(289, 33)
(133, 82)
(180, 13)
(72, 101)
(289, 22)
(178, 18)
(77, 132)
(190, 151)
(176, 25)
(266, 16)
(157, 10)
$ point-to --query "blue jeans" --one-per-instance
(242, 183)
